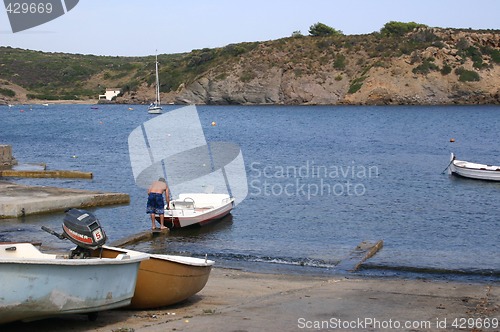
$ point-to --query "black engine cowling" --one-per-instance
(83, 229)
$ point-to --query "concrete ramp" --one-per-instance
(19, 200)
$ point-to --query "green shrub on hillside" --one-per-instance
(425, 68)
(238, 49)
(394, 28)
(494, 54)
(247, 76)
(321, 30)
(354, 87)
(340, 62)
(7, 92)
(200, 57)
(446, 69)
(425, 36)
(476, 56)
(467, 75)
(52, 97)
(462, 44)
(356, 84)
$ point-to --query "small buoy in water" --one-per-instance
(214, 124)
(452, 140)
(73, 156)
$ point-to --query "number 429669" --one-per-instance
(29, 7)
(475, 323)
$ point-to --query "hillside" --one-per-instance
(422, 66)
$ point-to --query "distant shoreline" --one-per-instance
(94, 102)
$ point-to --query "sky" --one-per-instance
(142, 27)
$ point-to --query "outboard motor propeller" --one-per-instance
(83, 229)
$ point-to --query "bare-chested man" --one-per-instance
(155, 201)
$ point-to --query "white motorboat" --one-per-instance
(197, 209)
(38, 285)
(155, 107)
(473, 170)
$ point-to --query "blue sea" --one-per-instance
(321, 179)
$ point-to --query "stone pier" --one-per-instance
(6, 158)
(18, 200)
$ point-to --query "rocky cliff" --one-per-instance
(427, 66)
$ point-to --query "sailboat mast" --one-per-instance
(157, 83)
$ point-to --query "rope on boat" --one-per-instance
(448, 165)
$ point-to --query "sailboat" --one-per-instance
(155, 107)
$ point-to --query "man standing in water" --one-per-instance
(155, 201)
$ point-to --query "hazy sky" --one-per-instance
(139, 27)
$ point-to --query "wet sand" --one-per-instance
(234, 300)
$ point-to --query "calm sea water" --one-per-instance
(321, 179)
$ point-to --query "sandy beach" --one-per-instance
(234, 300)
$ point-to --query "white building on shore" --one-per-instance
(110, 93)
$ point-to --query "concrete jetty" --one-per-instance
(6, 158)
(19, 200)
(45, 174)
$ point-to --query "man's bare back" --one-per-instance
(157, 187)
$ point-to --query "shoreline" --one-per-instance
(247, 301)
(96, 102)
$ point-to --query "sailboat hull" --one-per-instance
(154, 110)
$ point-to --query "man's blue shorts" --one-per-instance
(155, 204)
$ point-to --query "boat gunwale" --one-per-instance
(479, 167)
(54, 259)
(191, 261)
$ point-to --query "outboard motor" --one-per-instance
(83, 229)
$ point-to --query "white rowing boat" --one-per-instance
(473, 170)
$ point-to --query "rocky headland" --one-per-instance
(423, 66)
(299, 72)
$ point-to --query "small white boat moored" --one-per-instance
(473, 170)
(38, 285)
(197, 209)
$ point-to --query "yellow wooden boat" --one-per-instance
(163, 280)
